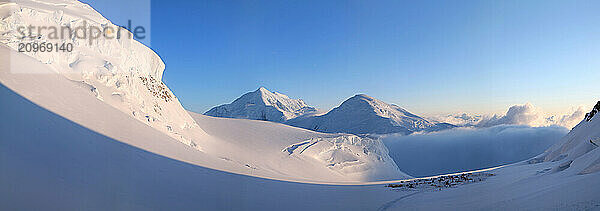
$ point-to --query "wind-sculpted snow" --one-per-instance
(282, 149)
(121, 72)
(349, 154)
(363, 114)
(263, 104)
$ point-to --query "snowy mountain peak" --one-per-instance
(275, 98)
(362, 96)
(264, 91)
(589, 116)
(263, 104)
(363, 114)
(371, 100)
(379, 107)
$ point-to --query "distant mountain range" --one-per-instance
(360, 114)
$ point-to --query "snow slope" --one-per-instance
(83, 170)
(362, 114)
(48, 162)
(293, 151)
(64, 148)
(263, 104)
(578, 148)
(232, 148)
(77, 104)
(79, 86)
(122, 73)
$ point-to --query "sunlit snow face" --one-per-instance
(54, 34)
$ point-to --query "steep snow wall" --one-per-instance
(116, 69)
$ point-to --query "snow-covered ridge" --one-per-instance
(120, 71)
(362, 114)
(577, 151)
(263, 104)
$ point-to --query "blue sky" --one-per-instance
(427, 56)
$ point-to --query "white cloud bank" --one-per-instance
(462, 149)
(526, 114)
(570, 120)
(481, 141)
